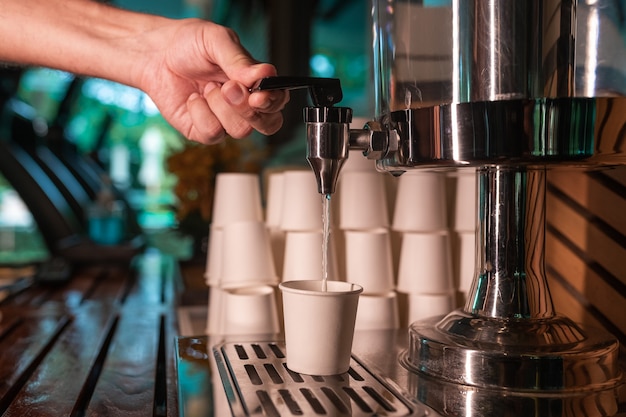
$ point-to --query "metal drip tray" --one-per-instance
(258, 382)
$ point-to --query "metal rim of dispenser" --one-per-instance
(543, 131)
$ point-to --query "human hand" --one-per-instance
(199, 78)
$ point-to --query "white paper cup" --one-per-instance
(362, 201)
(213, 268)
(465, 201)
(246, 256)
(420, 202)
(425, 264)
(249, 310)
(302, 204)
(274, 200)
(319, 325)
(277, 242)
(422, 306)
(214, 316)
(377, 312)
(465, 265)
(369, 261)
(303, 257)
(237, 198)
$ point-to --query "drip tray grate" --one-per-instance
(258, 382)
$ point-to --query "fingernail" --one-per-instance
(233, 94)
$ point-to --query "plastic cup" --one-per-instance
(369, 261)
(274, 200)
(377, 312)
(422, 306)
(319, 325)
(362, 201)
(237, 198)
(420, 202)
(425, 265)
(246, 256)
(303, 257)
(302, 204)
(249, 310)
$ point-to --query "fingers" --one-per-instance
(260, 110)
(205, 126)
(232, 110)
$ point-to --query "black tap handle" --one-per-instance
(325, 92)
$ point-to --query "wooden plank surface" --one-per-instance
(586, 246)
(98, 345)
(55, 385)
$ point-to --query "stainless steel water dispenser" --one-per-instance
(509, 88)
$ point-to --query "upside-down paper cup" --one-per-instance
(237, 198)
(214, 313)
(422, 306)
(465, 201)
(302, 204)
(425, 265)
(274, 200)
(303, 257)
(420, 204)
(213, 270)
(362, 201)
(465, 257)
(319, 325)
(369, 261)
(246, 256)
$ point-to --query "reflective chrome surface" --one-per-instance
(327, 133)
(542, 356)
(500, 82)
(510, 280)
(205, 385)
(574, 131)
(439, 52)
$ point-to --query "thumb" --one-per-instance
(235, 61)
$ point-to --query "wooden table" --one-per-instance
(100, 344)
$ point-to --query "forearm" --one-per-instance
(79, 36)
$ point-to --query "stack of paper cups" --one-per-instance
(247, 281)
(237, 198)
(273, 215)
(425, 265)
(464, 229)
(364, 222)
(240, 266)
(302, 222)
(425, 274)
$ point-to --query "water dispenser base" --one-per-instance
(523, 355)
